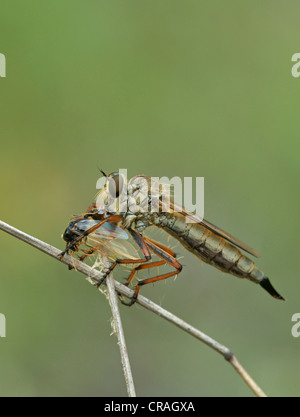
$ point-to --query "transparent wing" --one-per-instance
(113, 248)
(106, 231)
(213, 228)
(159, 190)
(109, 239)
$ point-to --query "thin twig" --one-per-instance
(120, 335)
(143, 301)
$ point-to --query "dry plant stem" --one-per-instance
(120, 335)
(143, 301)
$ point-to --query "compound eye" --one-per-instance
(115, 184)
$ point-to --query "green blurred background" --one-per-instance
(186, 88)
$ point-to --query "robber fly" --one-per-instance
(107, 230)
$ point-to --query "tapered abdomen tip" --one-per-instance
(266, 284)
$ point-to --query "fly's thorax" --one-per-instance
(172, 222)
(129, 220)
(139, 222)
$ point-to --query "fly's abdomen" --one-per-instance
(211, 248)
(216, 251)
(230, 259)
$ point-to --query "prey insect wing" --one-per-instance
(109, 239)
(114, 248)
(168, 204)
(106, 231)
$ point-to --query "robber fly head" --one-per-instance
(114, 183)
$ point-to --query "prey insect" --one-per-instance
(107, 230)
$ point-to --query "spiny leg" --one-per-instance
(90, 212)
(143, 247)
(160, 245)
(152, 264)
(134, 271)
(167, 258)
(141, 267)
(87, 253)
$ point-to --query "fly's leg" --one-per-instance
(86, 254)
(166, 258)
(144, 248)
(151, 265)
(160, 245)
(91, 212)
(135, 270)
(141, 267)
